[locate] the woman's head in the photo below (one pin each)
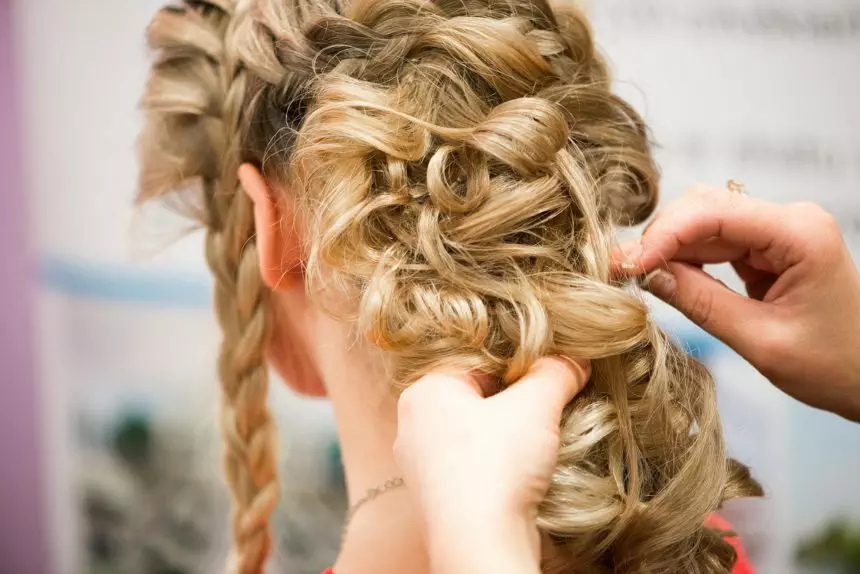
(445, 177)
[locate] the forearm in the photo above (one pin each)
(483, 545)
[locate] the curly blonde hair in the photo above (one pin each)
(461, 165)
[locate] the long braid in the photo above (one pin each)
(194, 102)
(249, 435)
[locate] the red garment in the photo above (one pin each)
(742, 566)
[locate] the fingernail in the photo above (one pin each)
(582, 366)
(632, 252)
(661, 283)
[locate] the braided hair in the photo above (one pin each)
(461, 165)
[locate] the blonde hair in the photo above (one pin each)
(461, 165)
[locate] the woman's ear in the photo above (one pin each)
(279, 243)
(278, 236)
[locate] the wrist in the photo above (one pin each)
(497, 542)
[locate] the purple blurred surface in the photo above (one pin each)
(22, 543)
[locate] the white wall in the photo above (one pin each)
(766, 92)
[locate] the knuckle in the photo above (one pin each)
(677, 220)
(775, 343)
(555, 366)
(690, 205)
(819, 229)
(809, 208)
(424, 390)
(813, 214)
(701, 307)
(830, 228)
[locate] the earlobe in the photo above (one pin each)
(278, 240)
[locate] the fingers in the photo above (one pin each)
(727, 315)
(548, 387)
(731, 224)
(702, 253)
(437, 392)
(442, 384)
(710, 252)
(550, 383)
(757, 282)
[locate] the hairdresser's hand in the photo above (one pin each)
(800, 324)
(478, 467)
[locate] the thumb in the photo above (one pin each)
(727, 315)
(550, 384)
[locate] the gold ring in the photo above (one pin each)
(736, 188)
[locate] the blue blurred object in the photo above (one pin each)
(698, 343)
(120, 283)
(336, 474)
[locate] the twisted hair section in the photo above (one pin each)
(194, 104)
(461, 166)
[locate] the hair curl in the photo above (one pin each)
(461, 165)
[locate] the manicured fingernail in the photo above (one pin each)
(661, 283)
(632, 252)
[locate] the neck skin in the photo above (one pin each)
(386, 535)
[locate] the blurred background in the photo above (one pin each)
(107, 430)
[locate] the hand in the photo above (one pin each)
(479, 466)
(800, 325)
